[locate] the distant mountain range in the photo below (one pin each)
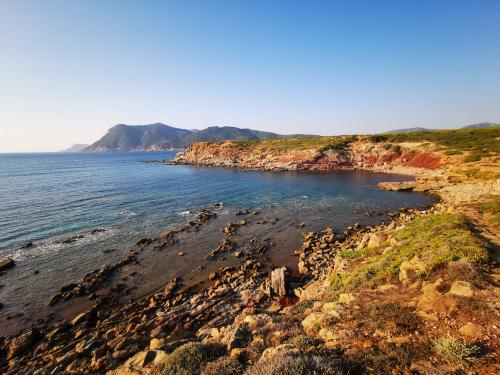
(473, 126)
(77, 147)
(156, 137)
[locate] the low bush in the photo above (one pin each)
(455, 350)
(223, 366)
(189, 359)
(303, 364)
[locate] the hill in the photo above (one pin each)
(481, 125)
(159, 136)
(77, 147)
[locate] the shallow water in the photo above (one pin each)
(46, 198)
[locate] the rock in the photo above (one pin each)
(346, 298)
(315, 321)
(387, 287)
(331, 308)
(145, 358)
(374, 241)
(180, 253)
(156, 344)
(278, 285)
(302, 267)
(461, 289)
(239, 338)
(284, 349)
(6, 263)
(257, 321)
(96, 231)
(409, 269)
(397, 186)
(21, 343)
(471, 330)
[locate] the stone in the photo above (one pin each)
(317, 320)
(145, 358)
(471, 330)
(302, 267)
(180, 253)
(284, 349)
(346, 298)
(331, 308)
(374, 240)
(278, 282)
(408, 269)
(21, 343)
(461, 289)
(239, 338)
(6, 263)
(79, 318)
(387, 287)
(257, 321)
(156, 344)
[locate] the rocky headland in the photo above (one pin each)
(417, 294)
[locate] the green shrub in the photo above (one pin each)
(455, 350)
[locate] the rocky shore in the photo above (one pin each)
(417, 294)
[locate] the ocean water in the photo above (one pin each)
(47, 198)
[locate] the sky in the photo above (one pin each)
(69, 70)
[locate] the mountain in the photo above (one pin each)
(159, 136)
(77, 147)
(481, 125)
(407, 130)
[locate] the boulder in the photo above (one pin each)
(146, 358)
(346, 298)
(284, 349)
(461, 289)
(6, 263)
(257, 321)
(21, 343)
(317, 320)
(471, 330)
(278, 282)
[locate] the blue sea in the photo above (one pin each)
(46, 198)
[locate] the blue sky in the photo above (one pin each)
(69, 70)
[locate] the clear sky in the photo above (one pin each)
(69, 70)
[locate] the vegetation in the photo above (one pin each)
(435, 240)
(319, 144)
(492, 206)
(297, 364)
(479, 142)
(189, 359)
(223, 365)
(455, 350)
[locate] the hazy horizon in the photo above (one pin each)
(71, 70)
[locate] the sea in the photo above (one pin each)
(63, 215)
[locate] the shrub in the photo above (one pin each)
(455, 350)
(303, 364)
(223, 366)
(436, 239)
(189, 359)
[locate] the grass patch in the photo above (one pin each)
(435, 239)
(492, 206)
(455, 350)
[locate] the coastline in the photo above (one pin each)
(238, 295)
